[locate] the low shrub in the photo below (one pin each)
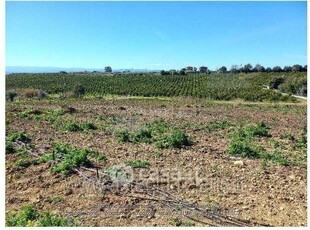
(73, 127)
(274, 157)
(177, 139)
(28, 216)
(88, 126)
(11, 95)
(259, 130)
(160, 133)
(9, 148)
(68, 157)
(243, 149)
(123, 135)
(143, 135)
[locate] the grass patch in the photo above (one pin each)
(47, 115)
(158, 132)
(246, 149)
(179, 223)
(301, 143)
(74, 127)
(177, 139)
(18, 136)
(274, 157)
(258, 130)
(243, 148)
(9, 148)
(288, 136)
(143, 135)
(138, 164)
(123, 135)
(242, 145)
(28, 216)
(24, 161)
(54, 199)
(220, 125)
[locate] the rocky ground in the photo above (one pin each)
(251, 191)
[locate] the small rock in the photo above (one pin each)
(192, 186)
(292, 177)
(238, 163)
(68, 192)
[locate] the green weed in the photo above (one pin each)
(67, 158)
(138, 164)
(243, 148)
(28, 216)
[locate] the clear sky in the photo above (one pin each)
(155, 35)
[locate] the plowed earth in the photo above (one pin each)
(203, 173)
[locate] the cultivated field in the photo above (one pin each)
(249, 87)
(164, 161)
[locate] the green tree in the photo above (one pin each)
(108, 69)
(203, 69)
(247, 68)
(223, 69)
(297, 68)
(234, 69)
(277, 69)
(259, 68)
(287, 69)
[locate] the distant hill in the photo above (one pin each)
(34, 69)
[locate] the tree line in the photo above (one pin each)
(248, 68)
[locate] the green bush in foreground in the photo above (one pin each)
(159, 133)
(143, 135)
(67, 158)
(28, 216)
(243, 149)
(177, 139)
(259, 130)
(242, 146)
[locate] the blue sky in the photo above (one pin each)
(155, 35)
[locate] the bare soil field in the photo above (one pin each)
(204, 181)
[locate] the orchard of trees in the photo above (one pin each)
(248, 68)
